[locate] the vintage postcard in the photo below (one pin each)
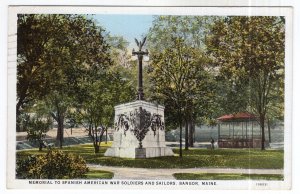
(149, 97)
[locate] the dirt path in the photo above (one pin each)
(166, 174)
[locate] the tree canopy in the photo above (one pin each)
(58, 56)
(249, 52)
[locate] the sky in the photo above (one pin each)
(128, 26)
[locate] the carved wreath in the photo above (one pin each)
(139, 122)
(123, 123)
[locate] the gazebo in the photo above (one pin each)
(240, 130)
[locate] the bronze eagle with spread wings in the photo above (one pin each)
(141, 43)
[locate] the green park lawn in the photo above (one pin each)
(201, 158)
(99, 174)
(226, 176)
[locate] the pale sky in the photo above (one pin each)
(128, 26)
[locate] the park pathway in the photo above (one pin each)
(166, 174)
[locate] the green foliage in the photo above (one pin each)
(23, 120)
(249, 52)
(180, 81)
(244, 49)
(118, 51)
(38, 123)
(101, 93)
(37, 128)
(53, 165)
(226, 176)
(192, 29)
(24, 165)
(57, 56)
(180, 76)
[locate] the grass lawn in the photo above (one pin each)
(220, 158)
(229, 176)
(99, 174)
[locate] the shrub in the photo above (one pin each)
(53, 165)
(24, 165)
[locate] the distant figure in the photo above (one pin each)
(212, 141)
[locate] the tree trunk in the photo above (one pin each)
(262, 125)
(106, 136)
(191, 133)
(96, 147)
(269, 130)
(90, 130)
(96, 139)
(18, 112)
(40, 145)
(18, 106)
(186, 135)
(60, 131)
(20, 102)
(180, 139)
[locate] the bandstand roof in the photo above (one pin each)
(241, 116)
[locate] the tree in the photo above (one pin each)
(37, 123)
(102, 89)
(54, 53)
(31, 46)
(119, 51)
(250, 50)
(190, 31)
(37, 129)
(275, 112)
(179, 80)
(97, 108)
(58, 105)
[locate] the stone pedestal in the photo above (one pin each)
(139, 131)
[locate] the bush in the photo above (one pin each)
(24, 166)
(53, 165)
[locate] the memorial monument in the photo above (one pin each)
(139, 125)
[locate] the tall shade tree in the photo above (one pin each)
(180, 82)
(189, 32)
(54, 53)
(249, 52)
(31, 83)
